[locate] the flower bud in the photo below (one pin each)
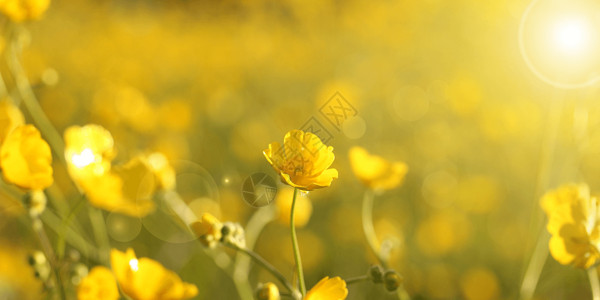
(392, 280)
(267, 291)
(376, 274)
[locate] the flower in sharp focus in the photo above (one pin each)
(303, 209)
(208, 230)
(10, 118)
(26, 160)
(573, 222)
(302, 161)
(328, 289)
(126, 189)
(375, 172)
(24, 10)
(89, 151)
(99, 284)
(147, 279)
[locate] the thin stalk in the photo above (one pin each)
(369, 230)
(30, 101)
(536, 262)
(241, 266)
(593, 277)
(265, 264)
(100, 233)
(295, 246)
(60, 244)
(38, 227)
(356, 279)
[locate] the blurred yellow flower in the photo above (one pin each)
(208, 230)
(376, 172)
(164, 172)
(573, 223)
(147, 279)
(127, 189)
(10, 118)
(302, 161)
(268, 291)
(26, 160)
(89, 151)
(328, 289)
(24, 10)
(99, 284)
(303, 209)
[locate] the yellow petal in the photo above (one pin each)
(208, 229)
(10, 118)
(127, 189)
(26, 159)
(99, 284)
(147, 279)
(89, 151)
(302, 161)
(328, 289)
(374, 171)
(23, 10)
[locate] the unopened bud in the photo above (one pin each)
(376, 274)
(392, 280)
(267, 291)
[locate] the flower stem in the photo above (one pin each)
(241, 266)
(295, 246)
(263, 263)
(357, 279)
(593, 277)
(38, 227)
(367, 222)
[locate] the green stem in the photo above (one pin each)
(99, 228)
(31, 103)
(295, 245)
(369, 230)
(38, 227)
(357, 279)
(593, 277)
(265, 264)
(241, 266)
(60, 245)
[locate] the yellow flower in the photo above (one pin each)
(147, 279)
(302, 161)
(89, 151)
(99, 284)
(573, 223)
(268, 291)
(208, 230)
(164, 172)
(127, 189)
(10, 118)
(24, 10)
(283, 201)
(26, 160)
(328, 289)
(376, 172)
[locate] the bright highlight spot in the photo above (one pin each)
(133, 264)
(83, 159)
(571, 35)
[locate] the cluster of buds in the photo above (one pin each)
(41, 267)
(390, 278)
(35, 202)
(210, 231)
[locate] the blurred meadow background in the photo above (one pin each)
(439, 85)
